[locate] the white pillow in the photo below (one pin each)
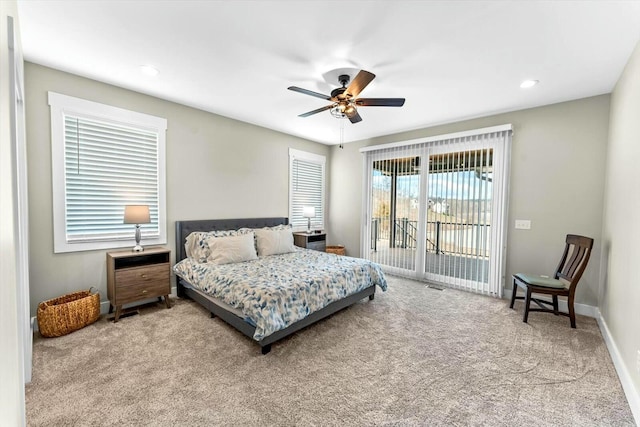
(273, 242)
(229, 249)
(196, 244)
(191, 245)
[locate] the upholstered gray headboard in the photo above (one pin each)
(184, 228)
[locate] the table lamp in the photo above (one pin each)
(308, 212)
(137, 214)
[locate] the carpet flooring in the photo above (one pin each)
(413, 356)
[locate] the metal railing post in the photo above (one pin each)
(437, 237)
(404, 232)
(374, 234)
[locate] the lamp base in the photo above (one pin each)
(137, 247)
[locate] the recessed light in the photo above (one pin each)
(149, 70)
(529, 83)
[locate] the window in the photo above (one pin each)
(104, 158)
(306, 188)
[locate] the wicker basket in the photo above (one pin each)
(68, 313)
(337, 249)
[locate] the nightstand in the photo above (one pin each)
(315, 241)
(136, 276)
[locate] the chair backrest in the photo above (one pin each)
(574, 259)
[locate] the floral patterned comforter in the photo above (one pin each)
(275, 291)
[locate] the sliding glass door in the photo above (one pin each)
(395, 195)
(435, 210)
(459, 200)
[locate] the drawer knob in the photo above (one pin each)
(144, 276)
(144, 291)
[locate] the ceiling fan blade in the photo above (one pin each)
(360, 82)
(380, 102)
(356, 118)
(309, 92)
(319, 110)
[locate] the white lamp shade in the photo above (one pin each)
(136, 214)
(308, 212)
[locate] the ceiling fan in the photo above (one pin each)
(345, 98)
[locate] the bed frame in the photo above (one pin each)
(184, 228)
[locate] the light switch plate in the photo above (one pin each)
(523, 224)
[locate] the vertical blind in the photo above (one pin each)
(306, 189)
(106, 167)
(394, 206)
(458, 221)
(436, 208)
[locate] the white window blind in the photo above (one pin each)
(103, 159)
(307, 176)
(106, 167)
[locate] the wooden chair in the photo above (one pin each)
(565, 279)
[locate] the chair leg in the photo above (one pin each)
(555, 304)
(527, 303)
(514, 291)
(572, 312)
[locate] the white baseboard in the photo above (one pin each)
(633, 395)
(582, 309)
(104, 307)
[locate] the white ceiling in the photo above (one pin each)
(451, 60)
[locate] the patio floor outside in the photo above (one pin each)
(475, 268)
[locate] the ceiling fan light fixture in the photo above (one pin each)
(343, 110)
(338, 111)
(350, 110)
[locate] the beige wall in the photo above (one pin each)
(557, 171)
(620, 300)
(216, 168)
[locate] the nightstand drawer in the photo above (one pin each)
(144, 290)
(140, 276)
(317, 246)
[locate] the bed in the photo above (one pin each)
(194, 281)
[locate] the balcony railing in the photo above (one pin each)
(455, 238)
